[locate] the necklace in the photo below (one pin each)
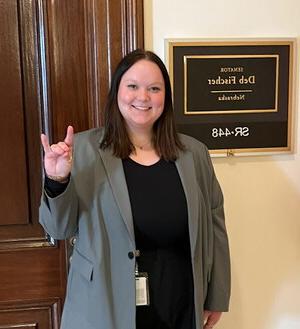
(143, 146)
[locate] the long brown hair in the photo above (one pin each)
(165, 138)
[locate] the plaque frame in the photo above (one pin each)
(260, 120)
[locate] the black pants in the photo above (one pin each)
(148, 318)
(171, 291)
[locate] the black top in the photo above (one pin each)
(160, 218)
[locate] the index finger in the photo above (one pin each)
(70, 136)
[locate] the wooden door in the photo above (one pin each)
(56, 61)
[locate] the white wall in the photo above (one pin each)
(262, 193)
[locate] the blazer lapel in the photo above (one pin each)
(186, 169)
(115, 173)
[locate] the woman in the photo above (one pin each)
(146, 209)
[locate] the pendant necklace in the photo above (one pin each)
(142, 147)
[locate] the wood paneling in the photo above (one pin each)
(15, 207)
(56, 62)
(20, 169)
(29, 274)
(41, 314)
(66, 57)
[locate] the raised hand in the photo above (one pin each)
(58, 157)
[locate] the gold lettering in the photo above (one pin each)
(235, 97)
(235, 69)
(231, 80)
(247, 80)
(252, 79)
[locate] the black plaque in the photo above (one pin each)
(234, 96)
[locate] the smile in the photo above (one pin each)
(141, 108)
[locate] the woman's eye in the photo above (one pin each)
(155, 89)
(132, 86)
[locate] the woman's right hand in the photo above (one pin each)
(58, 157)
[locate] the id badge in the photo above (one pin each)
(142, 289)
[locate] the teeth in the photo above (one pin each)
(142, 108)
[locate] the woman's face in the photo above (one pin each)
(141, 95)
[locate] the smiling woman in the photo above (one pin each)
(141, 99)
(146, 209)
(139, 114)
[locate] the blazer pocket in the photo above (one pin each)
(82, 265)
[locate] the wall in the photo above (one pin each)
(262, 193)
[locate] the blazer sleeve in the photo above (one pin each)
(59, 215)
(219, 285)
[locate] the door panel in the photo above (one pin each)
(41, 315)
(15, 207)
(56, 61)
(20, 165)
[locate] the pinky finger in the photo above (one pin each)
(45, 143)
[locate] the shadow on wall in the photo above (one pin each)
(262, 202)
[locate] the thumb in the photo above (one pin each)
(69, 136)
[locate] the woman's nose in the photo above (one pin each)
(143, 94)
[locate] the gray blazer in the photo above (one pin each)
(95, 208)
